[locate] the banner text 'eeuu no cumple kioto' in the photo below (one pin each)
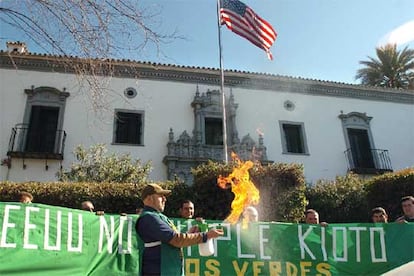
(36, 238)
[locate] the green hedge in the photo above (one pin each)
(283, 194)
(112, 198)
(351, 198)
(387, 190)
(341, 200)
(281, 187)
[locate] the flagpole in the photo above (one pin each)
(223, 98)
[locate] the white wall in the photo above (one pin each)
(167, 104)
(392, 128)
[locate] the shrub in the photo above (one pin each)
(110, 197)
(341, 200)
(95, 165)
(387, 190)
(211, 201)
(180, 191)
(281, 189)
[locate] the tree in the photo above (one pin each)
(86, 28)
(95, 31)
(393, 68)
(94, 165)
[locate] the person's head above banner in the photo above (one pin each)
(152, 189)
(153, 195)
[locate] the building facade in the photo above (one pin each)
(172, 116)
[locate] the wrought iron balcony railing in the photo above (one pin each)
(26, 142)
(370, 161)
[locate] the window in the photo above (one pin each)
(40, 135)
(360, 148)
(293, 138)
(361, 154)
(128, 128)
(42, 129)
(213, 131)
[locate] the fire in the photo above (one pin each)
(245, 192)
(259, 131)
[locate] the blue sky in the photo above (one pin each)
(317, 39)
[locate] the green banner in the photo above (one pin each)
(37, 239)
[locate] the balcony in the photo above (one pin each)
(26, 142)
(370, 161)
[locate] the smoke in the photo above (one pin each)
(400, 35)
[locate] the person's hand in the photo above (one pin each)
(323, 223)
(100, 213)
(401, 220)
(194, 229)
(214, 233)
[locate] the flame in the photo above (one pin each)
(259, 131)
(245, 192)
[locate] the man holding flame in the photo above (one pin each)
(161, 244)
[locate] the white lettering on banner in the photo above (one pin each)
(58, 241)
(340, 237)
(103, 229)
(70, 233)
(239, 253)
(7, 224)
(27, 227)
(383, 257)
(262, 241)
(226, 237)
(302, 244)
(122, 220)
(344, 258)
(323, 243)
(358, 241)
(187, 225)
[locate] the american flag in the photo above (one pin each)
(242, 20)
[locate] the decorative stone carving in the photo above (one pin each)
(355, 119)
(190, 151)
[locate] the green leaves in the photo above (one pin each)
(281, 185)
(96, 165)
(393, 68)
(350, 198)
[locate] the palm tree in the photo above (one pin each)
(393, 68)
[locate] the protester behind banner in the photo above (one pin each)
(187, 211)
(312, 217)
(25, 197)
(379, 215)
(250, 214)
(162, 242)
(407, 205)
(37, 238)
(88, 206)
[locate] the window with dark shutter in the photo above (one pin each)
(293, 137)
(294, 140)
(213, 131)
(128, 128)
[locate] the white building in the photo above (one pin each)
(172, 116)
